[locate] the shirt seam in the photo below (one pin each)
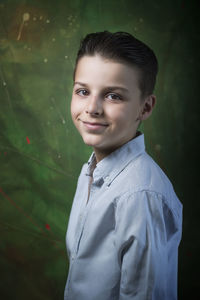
(131, 192)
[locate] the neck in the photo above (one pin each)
(102, 153)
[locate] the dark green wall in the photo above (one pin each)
(41, 153)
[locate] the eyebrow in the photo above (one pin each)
(107, 87)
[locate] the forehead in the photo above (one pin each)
(96, 70)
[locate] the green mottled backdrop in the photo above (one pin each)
(41, 153)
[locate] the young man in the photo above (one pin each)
(126, 220)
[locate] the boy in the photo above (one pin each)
(126, 220)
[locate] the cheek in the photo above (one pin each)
(118, 114)
(75, 108)
(123, 117)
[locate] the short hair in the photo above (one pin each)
(124, 48)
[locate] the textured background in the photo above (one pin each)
(41, 153)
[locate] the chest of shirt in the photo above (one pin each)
(94, 218)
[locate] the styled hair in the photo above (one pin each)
(124, 48)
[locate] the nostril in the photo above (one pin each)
(94, 109)
(92, 113)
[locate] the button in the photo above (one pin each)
(107, 179)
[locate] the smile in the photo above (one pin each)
(94, 126)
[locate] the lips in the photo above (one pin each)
(89, 123)
(95, 127)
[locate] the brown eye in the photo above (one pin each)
(82, 90)
(115, 97)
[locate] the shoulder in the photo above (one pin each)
(144, 179)
(145, 173)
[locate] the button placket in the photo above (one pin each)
(82, 220)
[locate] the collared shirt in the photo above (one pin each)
(123, 242)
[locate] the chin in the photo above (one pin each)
(93, 142)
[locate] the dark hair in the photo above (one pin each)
(122, 47)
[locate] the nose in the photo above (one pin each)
(94, 106)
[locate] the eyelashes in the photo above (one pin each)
(116, 96)
(78, 91)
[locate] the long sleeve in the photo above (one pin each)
(123, 242)
(147, 238)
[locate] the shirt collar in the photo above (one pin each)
(110, 166)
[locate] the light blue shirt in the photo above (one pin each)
(123, 243)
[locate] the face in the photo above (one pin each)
(106, 106)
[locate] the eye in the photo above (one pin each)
(115, 96)
(83, 92)
(79, 91)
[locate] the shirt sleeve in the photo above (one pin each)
(145, 227)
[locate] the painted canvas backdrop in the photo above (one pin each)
(41, 153)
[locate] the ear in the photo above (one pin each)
(147, 107)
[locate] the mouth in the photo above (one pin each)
(90, 123)
(94, 126)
